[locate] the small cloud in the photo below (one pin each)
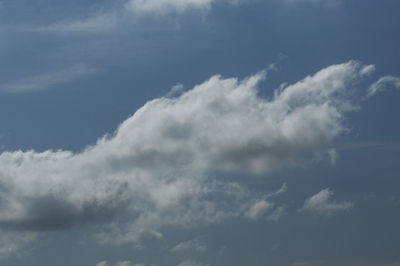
(175, 90)
(328, 3)
(309, 263)
(277, 214)
(333, 155)
(282, 190)
(13, 243)
(166, 6)
(195, 245)
(96, 23)
(120, 263)
(258, 209)
(382, 84)
(47, 80)
(322, 202)
(192, 263)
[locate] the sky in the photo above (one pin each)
(199, 132)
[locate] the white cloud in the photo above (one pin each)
(160, 165)
(48, 80)
(382, 84)
(322, 202)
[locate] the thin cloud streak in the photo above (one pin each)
(48, 80)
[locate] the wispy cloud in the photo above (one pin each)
(106, 21)
(192, 263)
(382, 84)
(11, 243)
(327, 3)
(196, 245)
(166, 6)
(120, 263)
(48, 80)
(103, 22)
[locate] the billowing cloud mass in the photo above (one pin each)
(322, 202)
(163, 166)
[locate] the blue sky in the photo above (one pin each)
(199, 132)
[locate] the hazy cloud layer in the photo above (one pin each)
(162, 165)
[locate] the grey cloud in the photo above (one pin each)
(160, 167)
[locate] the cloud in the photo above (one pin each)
(322, 202)
(11, 243)
(106, 21)
(166, 6)
(120, 263)
(333, 156)
(310, 263)
(161, 167)
(382, 84)
(103, 22)
(328, 3)
(48, 80)
(192, 263)
(195, 245)
(258, 209)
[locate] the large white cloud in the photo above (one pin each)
(162, 165)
